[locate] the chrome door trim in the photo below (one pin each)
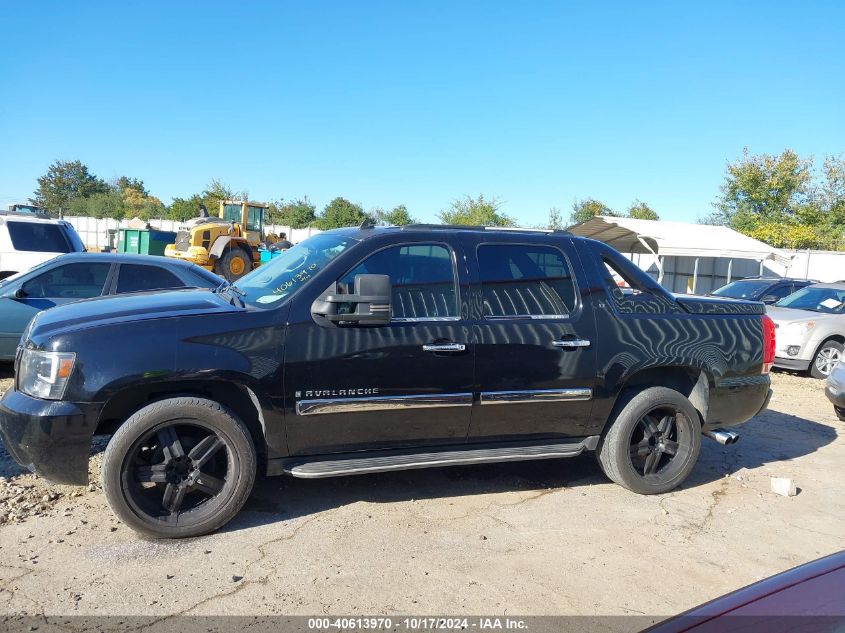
(424, 319)
(535, 395)
(382, 403)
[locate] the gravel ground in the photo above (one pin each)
(550, 537)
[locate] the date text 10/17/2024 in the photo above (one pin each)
(421, 623)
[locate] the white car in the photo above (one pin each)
(810, 329)
(27, 240)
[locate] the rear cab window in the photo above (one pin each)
(525, 280)
(631, 290)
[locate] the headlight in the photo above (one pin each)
(795, 330)
(45, 374)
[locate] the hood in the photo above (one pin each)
(785, 316)
(130, 308)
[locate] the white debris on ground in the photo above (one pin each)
(784, 486)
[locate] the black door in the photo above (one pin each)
(535, 350)
(408, 383)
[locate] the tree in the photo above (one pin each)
(555, 222)
(64, 182)
(588, 208)
(763, 188)
(124, 183)
(399, 216)
(296, 214)
(340, 212)
(186, 208)
(782, 201)
(641, 211)
(479, 211)
(107, 204)
(832, 194)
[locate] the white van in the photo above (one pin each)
(27, 240)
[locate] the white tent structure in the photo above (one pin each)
(664, 240)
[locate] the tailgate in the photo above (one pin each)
(713, 305)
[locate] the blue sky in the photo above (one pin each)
(535, 103)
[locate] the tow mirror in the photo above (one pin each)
(769, 299)
(368, 305)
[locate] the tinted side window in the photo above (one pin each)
(519, 280)
(422, 277)
(135, 278)
(779, 291)
(42, 238)
(72, 281)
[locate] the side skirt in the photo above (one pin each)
(385, 461)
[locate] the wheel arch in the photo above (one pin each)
(224, 242)
(240, 398)
(692, 382)
(832, 337)
(838, 338)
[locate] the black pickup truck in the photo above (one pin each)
(373, 349)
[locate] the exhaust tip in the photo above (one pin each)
(722, 436)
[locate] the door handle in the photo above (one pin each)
(570, 343)
(444, 347)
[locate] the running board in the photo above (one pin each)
(385, 463)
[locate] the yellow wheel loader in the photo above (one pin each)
(226, 245)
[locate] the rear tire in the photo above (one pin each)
(826, 358)
(234, 264)
(653, 443)
(179, 467)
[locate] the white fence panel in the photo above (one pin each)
(94, 231)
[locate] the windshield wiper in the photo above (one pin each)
(237, 293)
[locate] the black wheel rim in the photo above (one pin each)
(660, 443)
(178, 473)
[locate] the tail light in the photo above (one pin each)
(768, 343)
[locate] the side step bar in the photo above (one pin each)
(408, 461)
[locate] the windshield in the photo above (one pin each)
(815, 298)
(742, 289)
(288, 272)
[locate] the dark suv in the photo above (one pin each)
(374, 349)
(769, 290)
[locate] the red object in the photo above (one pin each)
(769, 338)
(806, 599)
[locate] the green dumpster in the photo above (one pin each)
(144, 241)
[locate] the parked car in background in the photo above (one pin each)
(810, 329)
(27, 239)
(766, 289)
(76, 276)
(835, 390)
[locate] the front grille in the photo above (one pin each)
(183, 240)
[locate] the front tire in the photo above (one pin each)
(826, 358)
(653, 443)
(234, 264)
(179, 467)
